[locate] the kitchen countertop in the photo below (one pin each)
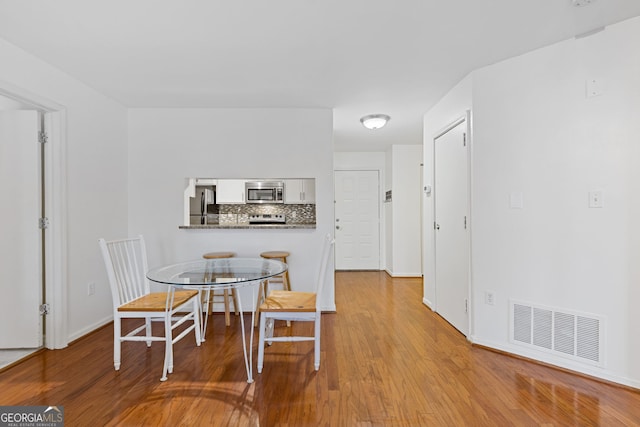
(247, 226)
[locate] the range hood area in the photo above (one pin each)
(249, 203)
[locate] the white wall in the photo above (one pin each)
(406, 211)
(166, 146)
(373, 160)
(96, 198)
(536, 132)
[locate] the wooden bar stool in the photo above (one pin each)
(226, 293)
(282, 279)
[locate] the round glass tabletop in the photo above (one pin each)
(223, 272)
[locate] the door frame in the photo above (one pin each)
(55, 247)
(466, 118)
(382, 264)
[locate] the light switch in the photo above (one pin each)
(596, 199)
(516, 200)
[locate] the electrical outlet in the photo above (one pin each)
(91, 288)
(489, 298)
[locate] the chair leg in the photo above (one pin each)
(269, 327)
(234, 297)
(168, 348)
(261, 335)
(316, 362)
(262, 295)
(148, 323)
(196, 322)
(117, 333)
(205, 311)
(286, 285)
(227, 317)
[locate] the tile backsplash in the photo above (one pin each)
(295, 214)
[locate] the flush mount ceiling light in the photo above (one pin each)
(374, 121)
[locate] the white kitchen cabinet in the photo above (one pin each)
(206, 181)
(309, 190)
(230, 191)
(300, 191)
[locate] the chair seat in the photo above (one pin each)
(289, 301)
(157, 301)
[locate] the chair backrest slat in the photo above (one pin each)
(132, 249)
(126, 263)
(326, 251)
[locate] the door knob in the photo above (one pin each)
(437, 226)
(337, 227)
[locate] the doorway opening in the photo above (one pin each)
(35, 196)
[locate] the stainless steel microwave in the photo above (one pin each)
(264, 191)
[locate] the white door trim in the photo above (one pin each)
(55, 206)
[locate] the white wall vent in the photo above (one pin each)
(578, 336)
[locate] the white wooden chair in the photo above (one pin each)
(294, 306)
(126, 264)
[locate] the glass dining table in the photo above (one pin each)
(220, 274)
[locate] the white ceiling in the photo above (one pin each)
(358, 57)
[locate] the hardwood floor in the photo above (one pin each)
(387, 360)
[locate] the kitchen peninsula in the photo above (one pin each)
(249, 204)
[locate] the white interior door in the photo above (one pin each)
(20, 245)
(357, 214)
(451, 234)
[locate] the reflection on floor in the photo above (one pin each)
(7, 357)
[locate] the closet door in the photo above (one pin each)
(452, 226)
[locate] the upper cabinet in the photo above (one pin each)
(300, 191)
(230, 191)
(206, 181)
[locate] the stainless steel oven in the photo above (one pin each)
(264, 191)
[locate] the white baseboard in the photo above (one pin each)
(84, 331)
(560, 362)
(392, 274)
(428, 303)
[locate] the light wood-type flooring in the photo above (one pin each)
(387, 360)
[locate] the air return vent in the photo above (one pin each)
(578, 336)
